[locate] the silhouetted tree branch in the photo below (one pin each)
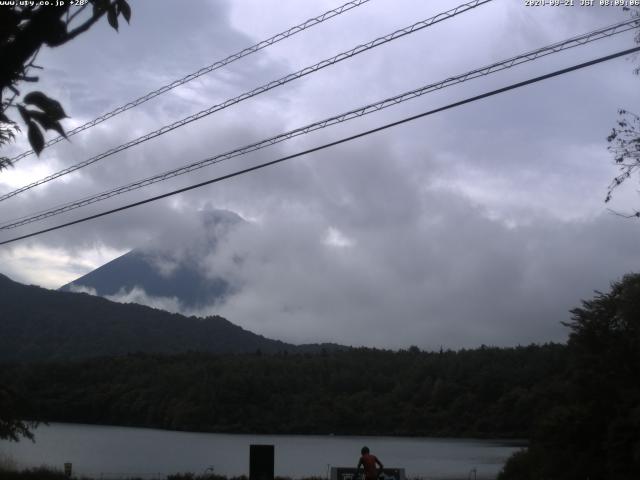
(624, 141)
(12, 427)
(23, 32)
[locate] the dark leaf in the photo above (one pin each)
(54, 32)
(4, 118)
(36, 139)
(125, 9)
(48, 105)
(112, 16)
(5, 163)
(9, 21)
(47, 123)
(99, 6)
(24, 113)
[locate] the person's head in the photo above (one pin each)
(364, 450)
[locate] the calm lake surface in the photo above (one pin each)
(113, 452)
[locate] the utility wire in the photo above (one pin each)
(332, 144)
(257, 91)
(358, 112)
(214, 66)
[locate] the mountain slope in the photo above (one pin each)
(167, 270)
(135, 269)
(42, 325)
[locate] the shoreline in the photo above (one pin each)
(514, 441)
(94, 450)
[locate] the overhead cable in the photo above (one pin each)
(257, 91)
(203, 71)
(331, 144)
(343, 117)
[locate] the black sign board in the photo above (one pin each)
(261, 462)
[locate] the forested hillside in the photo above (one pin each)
(44, 325)
(487, 392)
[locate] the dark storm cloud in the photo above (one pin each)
(484, 224)
(431, 269)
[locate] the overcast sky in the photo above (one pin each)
(484, 224)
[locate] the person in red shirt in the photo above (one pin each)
(369, 462)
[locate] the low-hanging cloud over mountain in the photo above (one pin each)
(483, 224)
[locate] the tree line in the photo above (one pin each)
(485, 392)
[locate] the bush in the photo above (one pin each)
(520, 466)
(40, 473)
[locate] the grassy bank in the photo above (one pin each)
(47, 473)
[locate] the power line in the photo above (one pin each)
(332, 144)
(358, 112)
(257, 91)
(214, 66)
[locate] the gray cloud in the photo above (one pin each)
(441, 273)
(138, 295)
(484, 224)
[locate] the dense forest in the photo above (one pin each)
(486, 392)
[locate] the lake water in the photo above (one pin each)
(117, 452)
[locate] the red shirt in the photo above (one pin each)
(368, 461)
